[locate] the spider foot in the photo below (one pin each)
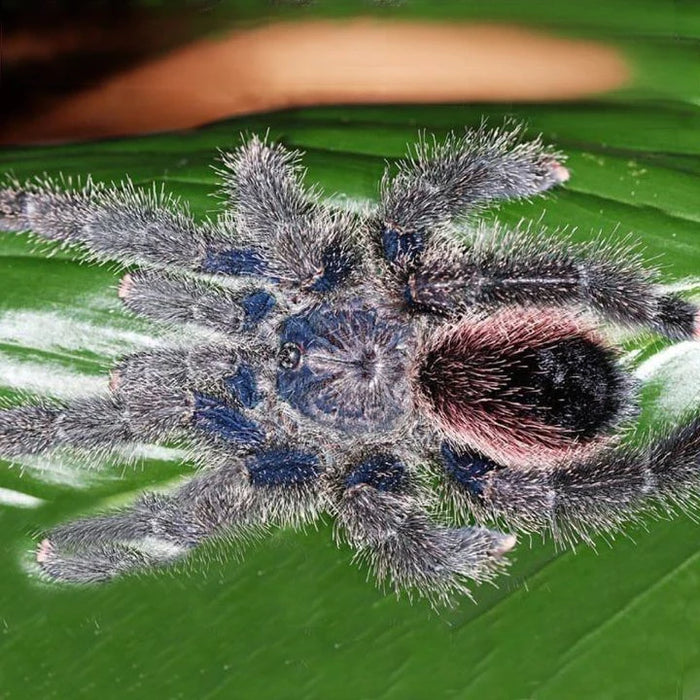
(90, 564)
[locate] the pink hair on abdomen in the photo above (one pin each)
(466, 382)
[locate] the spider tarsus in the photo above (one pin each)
(115, 379)
(125, 286)
(507, 542)
(560, 173)
(44, 550)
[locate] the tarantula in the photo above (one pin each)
(376, 366)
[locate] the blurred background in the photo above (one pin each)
(75, 69)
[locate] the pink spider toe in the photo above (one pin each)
(43, 551)
(125, 286)
(114, 380)
(505, 545)
(560, 173)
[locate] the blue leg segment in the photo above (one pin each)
(381, 471)
(257, 305)
(243, 386)
(217, 418)
(235, 261)
(336, 264)
(283, 467)
(402, 249)
(466, 468)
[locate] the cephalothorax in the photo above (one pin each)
(375, 366)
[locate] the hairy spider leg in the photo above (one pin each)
(264, 184)
(155, 395)
(273, 487)
(127, 224)
(516, 267)
(280, 486)
(441, 181)
(278, 231)
(380, 515)
(94, 564)
(174, 299)
(576, 499)
(290, 237)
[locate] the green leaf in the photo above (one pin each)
(294, 617)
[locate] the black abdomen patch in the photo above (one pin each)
(572, 384)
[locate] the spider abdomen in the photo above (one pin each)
(523, 386)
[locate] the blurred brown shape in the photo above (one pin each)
(51, 49)
(325, 62)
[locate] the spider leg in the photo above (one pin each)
(289, 236)
(592, 494)
(379, 514)
(517, 267)
(441, 181)
(91, 422)
(201, 392)
(99, 563)
(113, 223)
(97, 422)
(264, 183)
(176, 299)
(278, 231)
(276, 486)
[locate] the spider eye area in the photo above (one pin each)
(289, 355)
